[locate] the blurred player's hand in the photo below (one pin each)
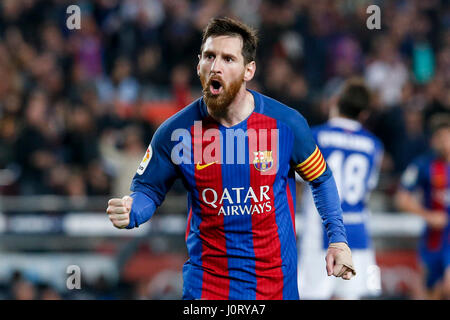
(339, 261)
(119, 211)
(436, 219)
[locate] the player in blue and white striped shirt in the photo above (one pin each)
(353, 155)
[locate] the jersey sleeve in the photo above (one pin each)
(312, 167)
(156, 172)
(306, 155)
(413, 176)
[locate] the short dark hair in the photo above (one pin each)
(439, 121)
(354, 98)
(230, 27)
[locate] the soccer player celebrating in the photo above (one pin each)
(236, 152)
(354, 156)
(430, 174)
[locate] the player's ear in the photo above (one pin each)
(250, 69)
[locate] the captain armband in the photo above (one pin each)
(312, 167)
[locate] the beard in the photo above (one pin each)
(218, 102)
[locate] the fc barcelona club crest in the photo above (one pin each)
(263, 160)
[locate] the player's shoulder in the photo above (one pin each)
(418, 167)
(321, 128)
(183, 119)
(378, 143)
(281, 112)
(417, 170)
(423, 160)
(355, 128)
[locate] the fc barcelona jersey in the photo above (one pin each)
(431, 175)
(240, 181)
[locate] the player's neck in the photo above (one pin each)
(238, 110)
(337, 115)
(344, 118)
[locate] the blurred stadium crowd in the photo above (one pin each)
(79, 107)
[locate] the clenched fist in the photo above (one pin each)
(119, 211)
(339, 261)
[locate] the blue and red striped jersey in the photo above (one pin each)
(431, 175)
(240, 181)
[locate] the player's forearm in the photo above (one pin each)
(408, 203)
(142, 209)
(328, 204)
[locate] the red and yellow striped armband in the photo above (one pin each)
(313, 167)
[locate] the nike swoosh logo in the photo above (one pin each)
(200, 167)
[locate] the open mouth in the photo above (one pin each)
(215, 87)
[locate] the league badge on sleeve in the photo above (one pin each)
(409, 177)
(145, 160)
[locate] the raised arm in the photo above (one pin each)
(153, 179)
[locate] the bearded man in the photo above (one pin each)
(236, 152)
